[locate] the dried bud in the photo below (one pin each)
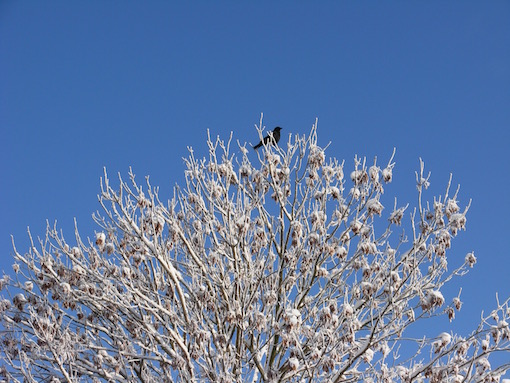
(457, 303)
(347, 310)
(19, 301)
(387, 174)
(100, 240)
(368, 355)
(374, 207)
(293, 363)
(470, 259)
(29, 285)
(373, 171)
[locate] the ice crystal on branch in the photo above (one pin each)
(263, 267)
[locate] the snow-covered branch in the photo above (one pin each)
(273, 267)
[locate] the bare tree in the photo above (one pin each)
(281, 270)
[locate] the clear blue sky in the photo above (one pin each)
(87, 84)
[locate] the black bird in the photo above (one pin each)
(266, 139)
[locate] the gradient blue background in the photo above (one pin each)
(87, 84)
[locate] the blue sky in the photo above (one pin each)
(90, 84)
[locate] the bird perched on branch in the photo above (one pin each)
(275, 135)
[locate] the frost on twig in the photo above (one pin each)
(270, 267)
